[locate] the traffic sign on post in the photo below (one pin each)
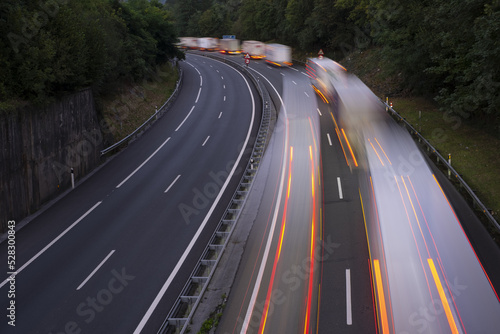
(247, 56)
(320, 54)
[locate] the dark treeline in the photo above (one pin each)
(448, 49)
(52, 47)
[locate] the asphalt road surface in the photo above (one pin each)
(112, 255)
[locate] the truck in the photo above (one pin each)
(230, 46)
(255, 49)
(208, 43)
(279, 55)
(188, 42)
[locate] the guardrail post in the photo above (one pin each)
(449, 162)
(72, 178)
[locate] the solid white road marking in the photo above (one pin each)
(319, 112)
(222, 77)
(205, 141)
(201, 81)
(174, 272)
(224, 97)
(348, 296)
(329, 139)
(306, 94)
(296, 70)
(294, 82)
(282, 73)
(96, 269)
(173, 182)
(185, 119)
(340, 188)
(199, 92)
(145, 161)
(224, 86)
(53, 242)
(220, 114)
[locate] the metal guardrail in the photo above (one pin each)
(158, 113)
(181, 313)
(476, 202)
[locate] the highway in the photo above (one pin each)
(413, 270)
(299, 219)
(354, 233)
(112, 255)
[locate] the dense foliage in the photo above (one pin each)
(51, 47)
(448, 49)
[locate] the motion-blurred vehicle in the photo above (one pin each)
(190, 43)
(279, 55)
(324, 74)
(208, 43)
(255, 49)
(230, 46)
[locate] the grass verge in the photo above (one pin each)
(130, 105)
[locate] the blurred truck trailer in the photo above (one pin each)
(255, 49)
(279, 55)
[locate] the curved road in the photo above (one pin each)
(112, 255)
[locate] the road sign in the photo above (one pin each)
(320, 54)
(247, 60)
(247, 56)
(228, 37)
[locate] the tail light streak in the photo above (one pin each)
(350, 149)
(278, 250)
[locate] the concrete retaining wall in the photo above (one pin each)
(38, 148)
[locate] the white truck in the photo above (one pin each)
(255, 49)
(208, 43)
(188, 42)
(279, 55)
(230, 46)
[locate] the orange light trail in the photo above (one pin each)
(342, 145)
(311, 272)
(390, 163)
(313, 134)
(381, 297)
(376, 152)
(383, 253)
(413, 233)
(350, 149)
(323, 97)
(451, 208)
(370, 258)
(435, 247)
(444, 300)
(278, 251)
(334, 121)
